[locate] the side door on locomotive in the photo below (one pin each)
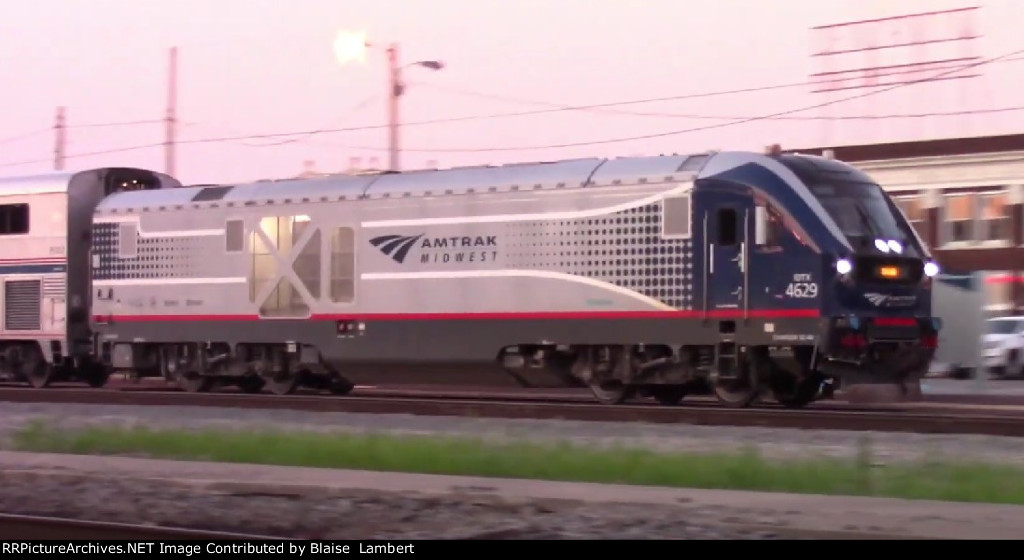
(726, 211)
(761, 283)
(758, 261)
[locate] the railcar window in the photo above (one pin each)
(307, 265)
(264, 266)
(282, 232)
(726, 226)
(343, 265)
(13, 219)
(234, 236)
(675, 219)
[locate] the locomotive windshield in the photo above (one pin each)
(864, 213)
(856, 203)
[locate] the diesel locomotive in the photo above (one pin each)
(750, 274)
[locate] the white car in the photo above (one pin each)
(1003, 346)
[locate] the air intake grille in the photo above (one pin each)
(54, 287)
(22, 305)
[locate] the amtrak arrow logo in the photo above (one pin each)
(876, 298)
(395, 246)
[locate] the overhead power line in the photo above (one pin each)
(738, 121)
(37, 132)
(110, 124)
(305, 135)
(609, 108)
(712, 117)
(744, 120)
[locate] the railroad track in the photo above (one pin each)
(887, 419)
(15, 528)
(310, 400)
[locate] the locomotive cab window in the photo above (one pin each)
(768, 227)
(13, 219)
(727, 223)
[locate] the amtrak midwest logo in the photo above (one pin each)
(440, 250)
(886, 300)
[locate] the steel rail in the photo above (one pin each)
(15, 527)
(915, 421)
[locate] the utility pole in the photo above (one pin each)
(60, 139)
(395, 88)
(172, 109)
(344, 50)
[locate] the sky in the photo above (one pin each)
(250, 68)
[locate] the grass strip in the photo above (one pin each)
(747, 470)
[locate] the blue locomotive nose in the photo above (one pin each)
(880, 328)
(883, 285)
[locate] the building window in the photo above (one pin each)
(913, 208)
(13, 219)
(994, 218)
(958, 217)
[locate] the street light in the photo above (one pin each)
(349, 47)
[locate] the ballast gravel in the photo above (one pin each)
(355, 514)
(783, 443)
(367, 514)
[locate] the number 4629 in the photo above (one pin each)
(802, 290)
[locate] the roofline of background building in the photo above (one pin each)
(924, 148)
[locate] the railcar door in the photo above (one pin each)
(727, 246)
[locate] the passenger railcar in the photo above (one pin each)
(749, 272)
(45, 223)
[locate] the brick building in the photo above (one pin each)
(965, 196)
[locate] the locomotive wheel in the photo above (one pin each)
(740, 391)
(282, 383)
(37, 372)
(612, 392)
(96, 377)
(251, 384)
(193, 382)
(669, 395)
(791, 393)
(340, 386)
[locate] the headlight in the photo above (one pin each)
(930, 269)
(843, 266)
